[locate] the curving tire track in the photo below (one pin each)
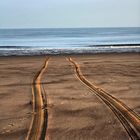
(129, 119)
(38, 126)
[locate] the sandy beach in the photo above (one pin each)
(16, 74)
(64, 107)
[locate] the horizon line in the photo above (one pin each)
(66, 27)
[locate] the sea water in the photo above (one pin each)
(68, 40)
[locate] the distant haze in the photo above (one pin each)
(69, 13)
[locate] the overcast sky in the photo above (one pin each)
(69, 13)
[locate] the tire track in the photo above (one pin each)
(38, 126)
(129, 119)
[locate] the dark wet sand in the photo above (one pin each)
(74, 111)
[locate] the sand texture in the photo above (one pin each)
(77, 97)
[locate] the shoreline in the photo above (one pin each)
(72, 54)
(91, 49)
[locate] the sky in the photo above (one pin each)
(69, 13)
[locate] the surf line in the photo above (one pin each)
(38, 125)
(129, 119)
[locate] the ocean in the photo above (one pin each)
(68, 40)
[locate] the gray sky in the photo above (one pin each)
(69, 13)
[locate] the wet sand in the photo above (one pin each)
(74, 112)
